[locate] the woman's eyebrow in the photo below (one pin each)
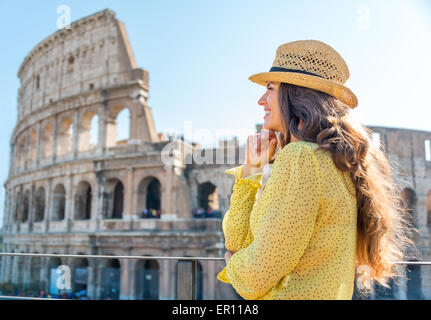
(269, 83)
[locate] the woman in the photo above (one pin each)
(329, 205)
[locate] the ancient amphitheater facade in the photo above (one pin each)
(75, 187)
(410, 155)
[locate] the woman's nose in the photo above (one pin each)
(262, 101)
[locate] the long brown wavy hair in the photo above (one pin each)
(383, 228)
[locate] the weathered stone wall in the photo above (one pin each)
(66, 81)
(406, 151)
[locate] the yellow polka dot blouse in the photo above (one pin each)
(298, 241)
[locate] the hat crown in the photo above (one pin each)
(312, 56)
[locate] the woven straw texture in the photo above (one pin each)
(314, 57)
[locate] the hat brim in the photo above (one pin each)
(330, 87)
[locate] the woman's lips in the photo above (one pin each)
(266, 115)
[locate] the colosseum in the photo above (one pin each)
(76, 187)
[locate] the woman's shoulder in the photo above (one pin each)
(298, 147)
(304, 153)
(298, 153)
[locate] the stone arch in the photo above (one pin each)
(118, 128)
(208, 200)
(113, 199)
(83, 201)
(58, 203)
(25, 206)
(65, 137)
(32, 150)
(39, 205)
(47, 138)
(88, 131)
(147, 280)
(149, 198)
(110, 280)
(408, 202)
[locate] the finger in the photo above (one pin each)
(269, 150)
(273, 146)
(259, 144)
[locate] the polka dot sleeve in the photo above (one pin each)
(235, 222)
(284, 221)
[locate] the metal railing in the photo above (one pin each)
(187, 268)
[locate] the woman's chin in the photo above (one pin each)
(267, 126)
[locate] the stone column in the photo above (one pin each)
(172, 284)
(75, 138)
(9, 267)
(167, 192)
(31, 208)
(3, 264)
(421, 215)
(44, 273)
(426, 281)
(26, 272)
(38, 143)
(103, 120)
(100, 189)
(21, 206)
(132, 278)
(12, 161)
(209, 287)
(26, 148)
(54, 140)
(12, 203)
(164, 286)
(48, 200)
(91, 284)
(98, 278)
(129, 210)
(15, 263)
(6, 217)
(11, 213)
(124, 279)
(69, 202)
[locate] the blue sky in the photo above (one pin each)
(201, 53)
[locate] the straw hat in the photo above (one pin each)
(312, 64)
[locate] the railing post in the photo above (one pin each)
(186, 279)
